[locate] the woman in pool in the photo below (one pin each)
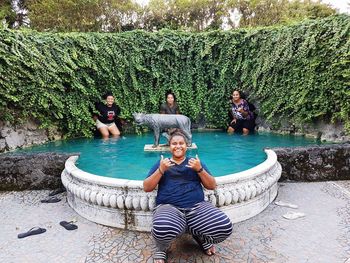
(170, 106)
(241, 117)
(180, 201)
(108, 114)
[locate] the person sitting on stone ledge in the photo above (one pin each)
(180, 205)
(242, 118)
(170, 106)
(108, 117)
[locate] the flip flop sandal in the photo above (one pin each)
(286, 204)
(68, 225)
(293, 215)
(52, 199)
(57, 191)
(31, 232)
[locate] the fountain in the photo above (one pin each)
(122, 203)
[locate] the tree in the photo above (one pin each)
(81, 15)
(199, 15)
(7, 14)
(191, 15)
(194, 15)
(271, 12)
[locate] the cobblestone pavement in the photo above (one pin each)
(323, 235)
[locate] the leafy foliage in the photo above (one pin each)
(298, 73)
(82, 15)
(6, 12)
(126, 15)
(271, 12)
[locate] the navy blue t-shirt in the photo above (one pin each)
(179, 186)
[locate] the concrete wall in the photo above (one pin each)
(31, 171)
(316, 163)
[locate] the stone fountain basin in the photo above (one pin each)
(123, 204)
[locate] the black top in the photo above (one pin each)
(107, 114)
(165, 109)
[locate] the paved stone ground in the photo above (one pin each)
(323, 235)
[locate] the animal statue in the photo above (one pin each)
(160, 122)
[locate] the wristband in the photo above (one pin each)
(160, 171)
(200, 170)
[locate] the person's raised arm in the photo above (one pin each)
(151, 182)
(243, 112)
(245, 109)
(208, 180)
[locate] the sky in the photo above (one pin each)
(341, 5)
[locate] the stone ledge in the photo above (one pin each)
(31, 171)
(316, 163)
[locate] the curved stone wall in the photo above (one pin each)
(123, 203)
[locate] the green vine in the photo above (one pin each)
(298, 73)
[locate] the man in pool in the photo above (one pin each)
(180, 201)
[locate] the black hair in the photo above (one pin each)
(241, 94)
(169, 92)
(107, 94)
(177, 132)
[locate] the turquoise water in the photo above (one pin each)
(125, 158)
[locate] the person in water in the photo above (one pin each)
(108, 115)
(241, 117)
(170, 106)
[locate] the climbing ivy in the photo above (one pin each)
(298, 73)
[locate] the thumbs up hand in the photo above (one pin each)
(164, 164)
(195, 164)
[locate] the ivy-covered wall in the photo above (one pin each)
(300, 73)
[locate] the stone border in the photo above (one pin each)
(31, 171)
(123, 203)
(327, 162)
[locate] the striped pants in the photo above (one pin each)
(207, 224)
